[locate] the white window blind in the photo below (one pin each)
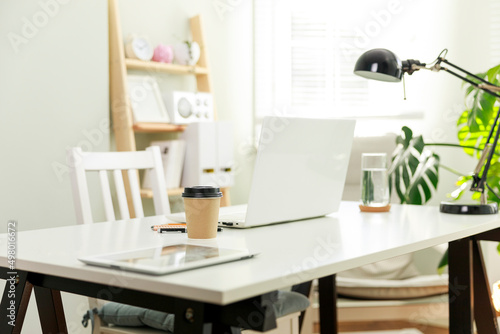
(495, 32)
(305, 53)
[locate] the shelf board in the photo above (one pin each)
(135, 64)
(158, 127)
(148, 193)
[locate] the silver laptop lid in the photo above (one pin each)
(300, 169)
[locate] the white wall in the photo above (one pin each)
(54, 95)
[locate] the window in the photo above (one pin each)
(495, 32)
(305, 53)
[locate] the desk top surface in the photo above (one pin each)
(291, 252)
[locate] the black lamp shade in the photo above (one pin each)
(379, 64)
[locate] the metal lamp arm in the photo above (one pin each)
(478, 183)
(466, 72)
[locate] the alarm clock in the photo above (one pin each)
(189, 107)
(138, 47)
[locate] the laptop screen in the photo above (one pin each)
(300, 169)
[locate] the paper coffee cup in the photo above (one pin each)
(201, 204)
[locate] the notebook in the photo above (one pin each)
(167, 259)
(299, 172)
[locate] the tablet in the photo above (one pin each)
(167, 259)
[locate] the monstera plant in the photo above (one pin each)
(414, 172)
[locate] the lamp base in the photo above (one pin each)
(469, 209)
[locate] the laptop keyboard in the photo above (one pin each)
(229, 219)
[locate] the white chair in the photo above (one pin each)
(129, 162)
(116, 162)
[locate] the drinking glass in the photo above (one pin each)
(374, 180)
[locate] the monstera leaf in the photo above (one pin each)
(414, 171)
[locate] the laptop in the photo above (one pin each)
(167, 259)
(299, 172)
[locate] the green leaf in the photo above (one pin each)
(493, 75)
(424, 179)
(443, 263)
(414, 172)
(498, 248)
(469, 90)
(468, 137)
(493, 179)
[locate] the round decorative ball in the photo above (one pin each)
(187, 53)
(163, 54)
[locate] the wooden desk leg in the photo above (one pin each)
(50, 310)
(484, 313)
(460, 286)
(15, 299)
(327, 305)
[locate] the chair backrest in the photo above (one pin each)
(103, 162)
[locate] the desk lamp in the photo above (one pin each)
(384, 65)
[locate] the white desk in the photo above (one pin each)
(292, 253)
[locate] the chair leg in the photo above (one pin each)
(306, 319)
(94, 304)
(305, 289)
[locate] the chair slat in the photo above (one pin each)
(135, 191)
(117, 160)
(160, 198)
(120, 194)
(106, 195)
(80, 189)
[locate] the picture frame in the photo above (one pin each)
(145, 98)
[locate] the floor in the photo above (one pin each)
(369, 326)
